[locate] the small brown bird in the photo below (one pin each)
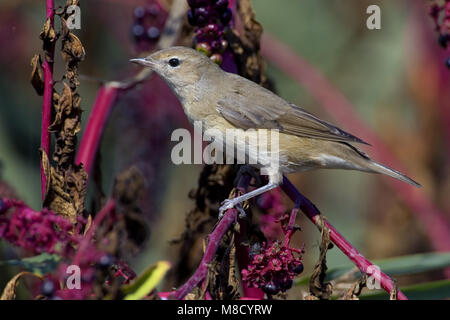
(224, 101)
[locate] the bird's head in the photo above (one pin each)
(178, 66)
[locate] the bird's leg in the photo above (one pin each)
(230, 203)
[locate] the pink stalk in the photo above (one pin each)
(311, 211)
(435, 222)
(107, 209)
(97, 119)
(48, 97)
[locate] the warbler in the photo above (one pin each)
(223, 101)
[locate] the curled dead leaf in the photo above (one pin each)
(72, 49)
(46, 168)
(37, 74)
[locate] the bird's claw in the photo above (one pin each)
(229, 204)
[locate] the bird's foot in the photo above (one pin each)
(229, 204)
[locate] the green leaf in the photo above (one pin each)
(40, 264)
(423, 291)
(146, 282)
(411, 264)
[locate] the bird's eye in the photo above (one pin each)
(174, 62)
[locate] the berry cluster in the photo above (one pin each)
(272, 267)
(148, 23)
(211, 18)
(441, 17)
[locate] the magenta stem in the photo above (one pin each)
(96, 123)
(311, 211)
(47, 103)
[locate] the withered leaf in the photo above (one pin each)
(9, 292)
(72, 50)
(317, 284)
(37, 75)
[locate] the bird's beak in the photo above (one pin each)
(144, 62)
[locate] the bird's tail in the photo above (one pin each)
(380, 168)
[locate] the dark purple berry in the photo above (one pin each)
(270, 288)
(139, 12)
(221, 4)
(298, 269)
(48, 288)
(2, 205)
(226, 16)
(204, 48)
(191, 17)
(153, 33)
(105, 261)
(447, 63)
(137, 31)
(286, 285)
(153, 9)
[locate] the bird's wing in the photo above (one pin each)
(264, 110)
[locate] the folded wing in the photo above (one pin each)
(265, 110)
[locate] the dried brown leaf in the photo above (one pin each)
(317, 286)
